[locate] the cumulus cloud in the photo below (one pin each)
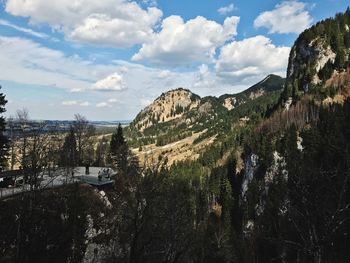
(117, 23)
(181, 43)
(226, 9)
(204, 78)
(113, 82)
(164, 74)
(287, 17)
(251, 59)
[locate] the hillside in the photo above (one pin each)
(319, 59)
(281, 173)
(168, 106)
(269, 84)
(179, 124)
(293, 187)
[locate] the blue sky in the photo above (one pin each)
(108, 59)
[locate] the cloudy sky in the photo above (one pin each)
(107, 59)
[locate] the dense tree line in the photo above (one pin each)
(304, 217)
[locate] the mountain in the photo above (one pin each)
(181, 124)
(168, 106)
(183, 106)
(269, 84)
(293, 173)
(319, 59)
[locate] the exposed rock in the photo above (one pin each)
(169, 106)
(251, 164)
(288, 103)
(229, 103)
(258, 93)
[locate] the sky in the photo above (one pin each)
(108, 59)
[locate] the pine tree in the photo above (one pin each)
(117, 141)
(3, 139)
(69, 153)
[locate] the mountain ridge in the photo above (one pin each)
(182, 119)
(174, 103)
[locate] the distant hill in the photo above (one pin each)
(179, 115)
(269, 84)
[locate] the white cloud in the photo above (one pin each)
(31, 63)
(77, 90)
(251, 59)
(205, 78)
(145, 102)
(112, 100)
(180, 43)
(75, 102)
(84, 103)
(226, 9)
(102, 105)
(117, 23)
(23, 29)
(287, 17)
(164, 74)
(69, 102)
(113, 82)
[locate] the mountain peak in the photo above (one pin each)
(270, 83)
(168, 106)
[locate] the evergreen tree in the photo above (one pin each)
(3, 138)
(119, 152)
(117, 141)
(69, 153)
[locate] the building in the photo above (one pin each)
(96, 176)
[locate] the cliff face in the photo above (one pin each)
(307, 59)
(320, 53)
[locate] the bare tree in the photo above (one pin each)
(22, 118)
(12, 136)
(83, 132)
